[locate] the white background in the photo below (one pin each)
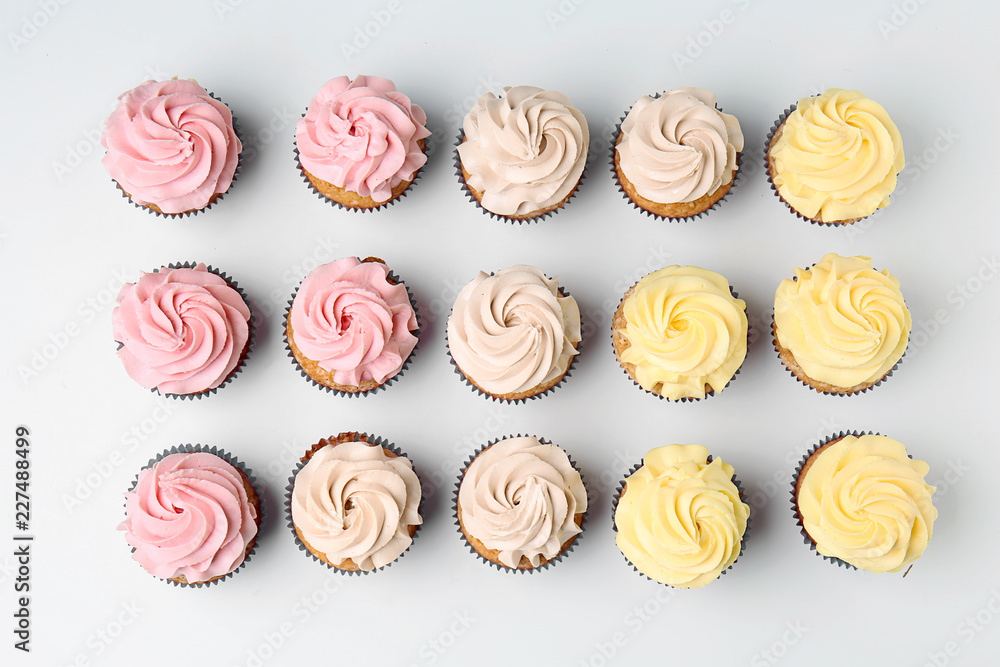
(67, 239)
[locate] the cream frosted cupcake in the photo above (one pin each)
(521, 156)
(520, 503)
(171, 147)
(834, 158)
(680, 518)
(513, 335)
(680, 333)
(862, 501)
(354, 502)
(676, 155)
(840, 327)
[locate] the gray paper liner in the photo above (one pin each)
(252, 325)
(239, 162)
(504, 218)
(351, 394)
(686, 399)
(236, 463)
(500, 567)
(298, 163)
(372, 440)
(687, 218)
(614, 526)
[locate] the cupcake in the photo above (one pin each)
(676, 155)
(522, 155)
(351, 326)
(192, 516)
(840, 327)
(183, 330)
(172, 147)
(680, 517)
(834, 158)
(862, 501)
(520, 503)
(354, 502)
(680, 333)
(361, 142)
(513, 335)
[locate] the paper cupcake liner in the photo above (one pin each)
(688, 218)
(352, 394)
(504, 218)
(372, 440)
(475, 389)
(686, 399)
(614, 508)
(337, 204)
(500, 567)
(236, 463)
(215, 200)
(252, 325)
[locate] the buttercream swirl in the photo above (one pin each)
(182, 331)
(353, 322)
(524, 152)
(353, 501)
(362, 135)
(171, 145)
(864, 501)
(513, 331)
(189, 516)
(679, 147)
(684, 330)
(521, 497)
(837, 156)
(844, 322)
(680, 519)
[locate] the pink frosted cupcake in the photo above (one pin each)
(361, 142)
(172, 147)
(351, 326)
(183, 330)
(192, 516)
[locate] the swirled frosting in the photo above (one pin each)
(864, 501)
(525, 151)
(520, 498)
(182, 331)
(513, 331)
(680, 519)
(837, 156)
(353, 501)
(362, 135)
(189, 516)
(679, 147)
(844, 322)
(172, 145)
(684, 330)
(350, 319)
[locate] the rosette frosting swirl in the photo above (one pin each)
(182, 331)
(362, 135)
(521, 498)
(513, 331)
(864, 501)
(172, 145)
(844, 322)
(684, 330)
(837, 156)
(680, 519)
(353, 501)
(189, 516)
(679, 147)
(524, 151)
(353, 321)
